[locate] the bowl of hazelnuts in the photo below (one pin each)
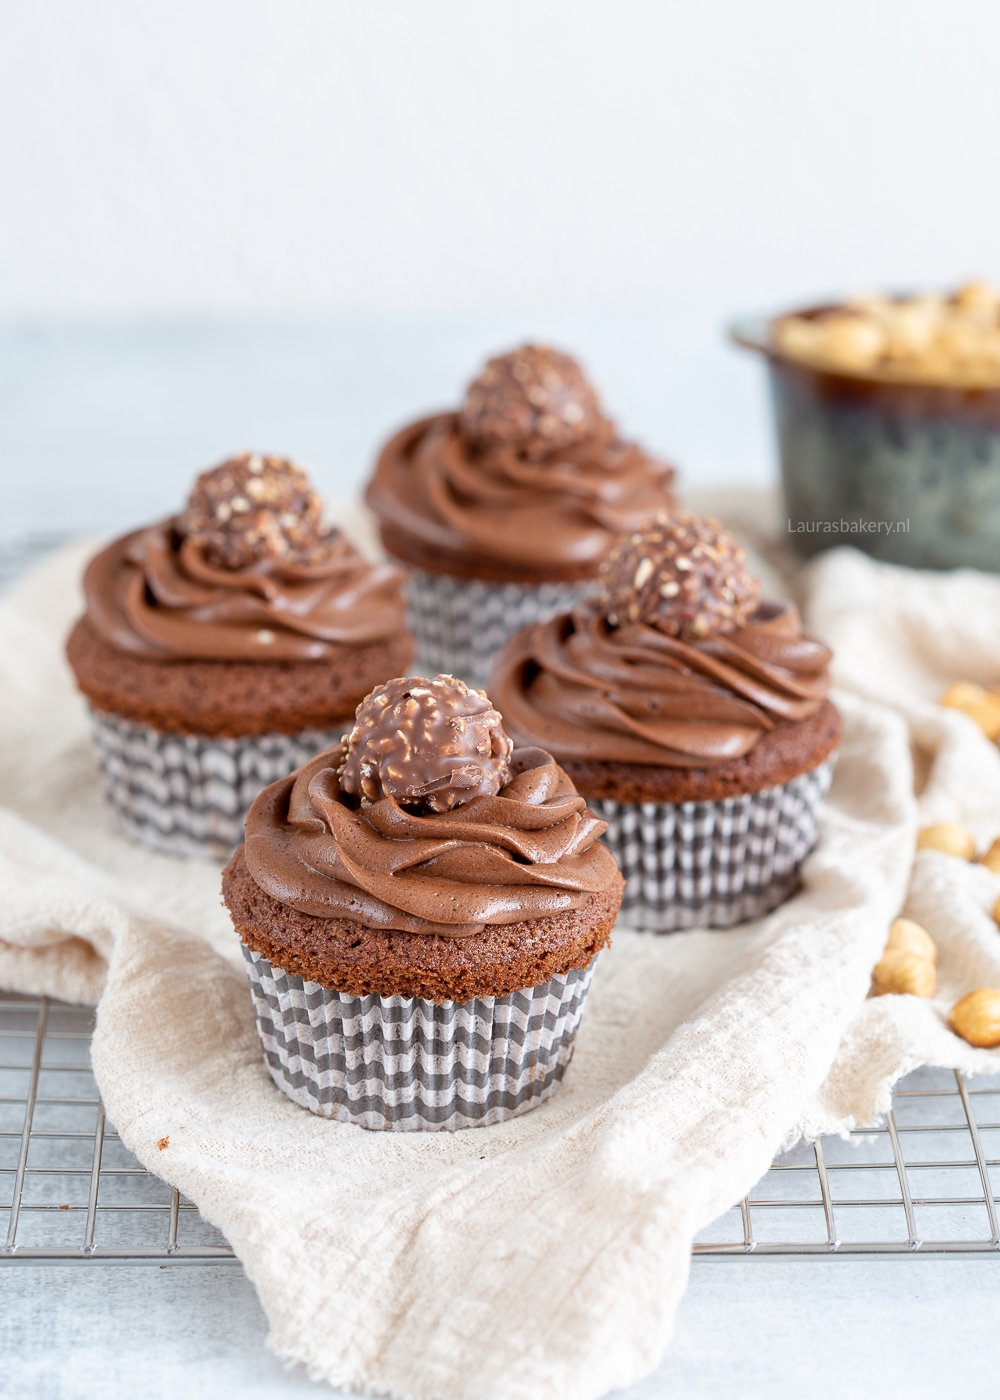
(887, 411)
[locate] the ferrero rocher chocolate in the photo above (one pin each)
(253, 508)
(534, 400)
(681, 574)
(432, 745)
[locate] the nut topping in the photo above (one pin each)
(976, 1018)
(253, 508)
(681, 574)
(535, 400)
(907, 964)
(432, 745)
(982, 706)
(948, 837)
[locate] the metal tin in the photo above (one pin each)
(907, 472)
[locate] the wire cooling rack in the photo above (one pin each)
(924, 1183)
(70, 1191)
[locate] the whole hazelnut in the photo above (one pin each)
(948, 837)
(982, 706)
(976, 1018)
(432, 745)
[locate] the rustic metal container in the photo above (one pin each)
(907, 472)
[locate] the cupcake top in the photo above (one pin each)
(679, 664)
(529, 475)
(427, 820)
(249, 571)
(950, 340)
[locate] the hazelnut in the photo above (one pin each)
(901, 973)
(992, 857)
(920, 339)
(981, 706)
(948, 837)
(907, 964)
(907, 936)
(852, 342)
(976, 1018)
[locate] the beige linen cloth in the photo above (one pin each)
(546, 1256)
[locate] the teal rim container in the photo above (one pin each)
(908, 472)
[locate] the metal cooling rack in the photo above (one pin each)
(70, 1191)
(926, 1183)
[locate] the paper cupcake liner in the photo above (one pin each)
(188, 794)
(410, 1065)
(713, 864)
(462, 625)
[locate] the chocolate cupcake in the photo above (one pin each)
(223, 647)
(503, 512)
(694, 719)
(420, 910)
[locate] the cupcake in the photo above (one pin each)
(692, 716)
(420, 910)
(503, 512)
(223, 647)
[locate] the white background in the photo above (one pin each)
(291, 223)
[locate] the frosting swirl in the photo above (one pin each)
(154, 594)
(588, 690)
(530, 851)
(494, 501)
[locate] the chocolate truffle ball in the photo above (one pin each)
(681, 574)
(253, 508)
(534, 400)
(430, 744)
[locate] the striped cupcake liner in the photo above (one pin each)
(462, 625)
(188, 794)
(410, 1065)
(713, 864)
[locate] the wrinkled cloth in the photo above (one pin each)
(546, 1255)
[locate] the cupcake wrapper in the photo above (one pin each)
(462, 625)
(187, 794)
(713, 864)
(410, 1065)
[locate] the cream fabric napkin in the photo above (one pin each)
(545, 1256)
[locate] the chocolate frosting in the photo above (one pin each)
(588, 690)
(153, 594)
(530, 851)
(433, 486)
